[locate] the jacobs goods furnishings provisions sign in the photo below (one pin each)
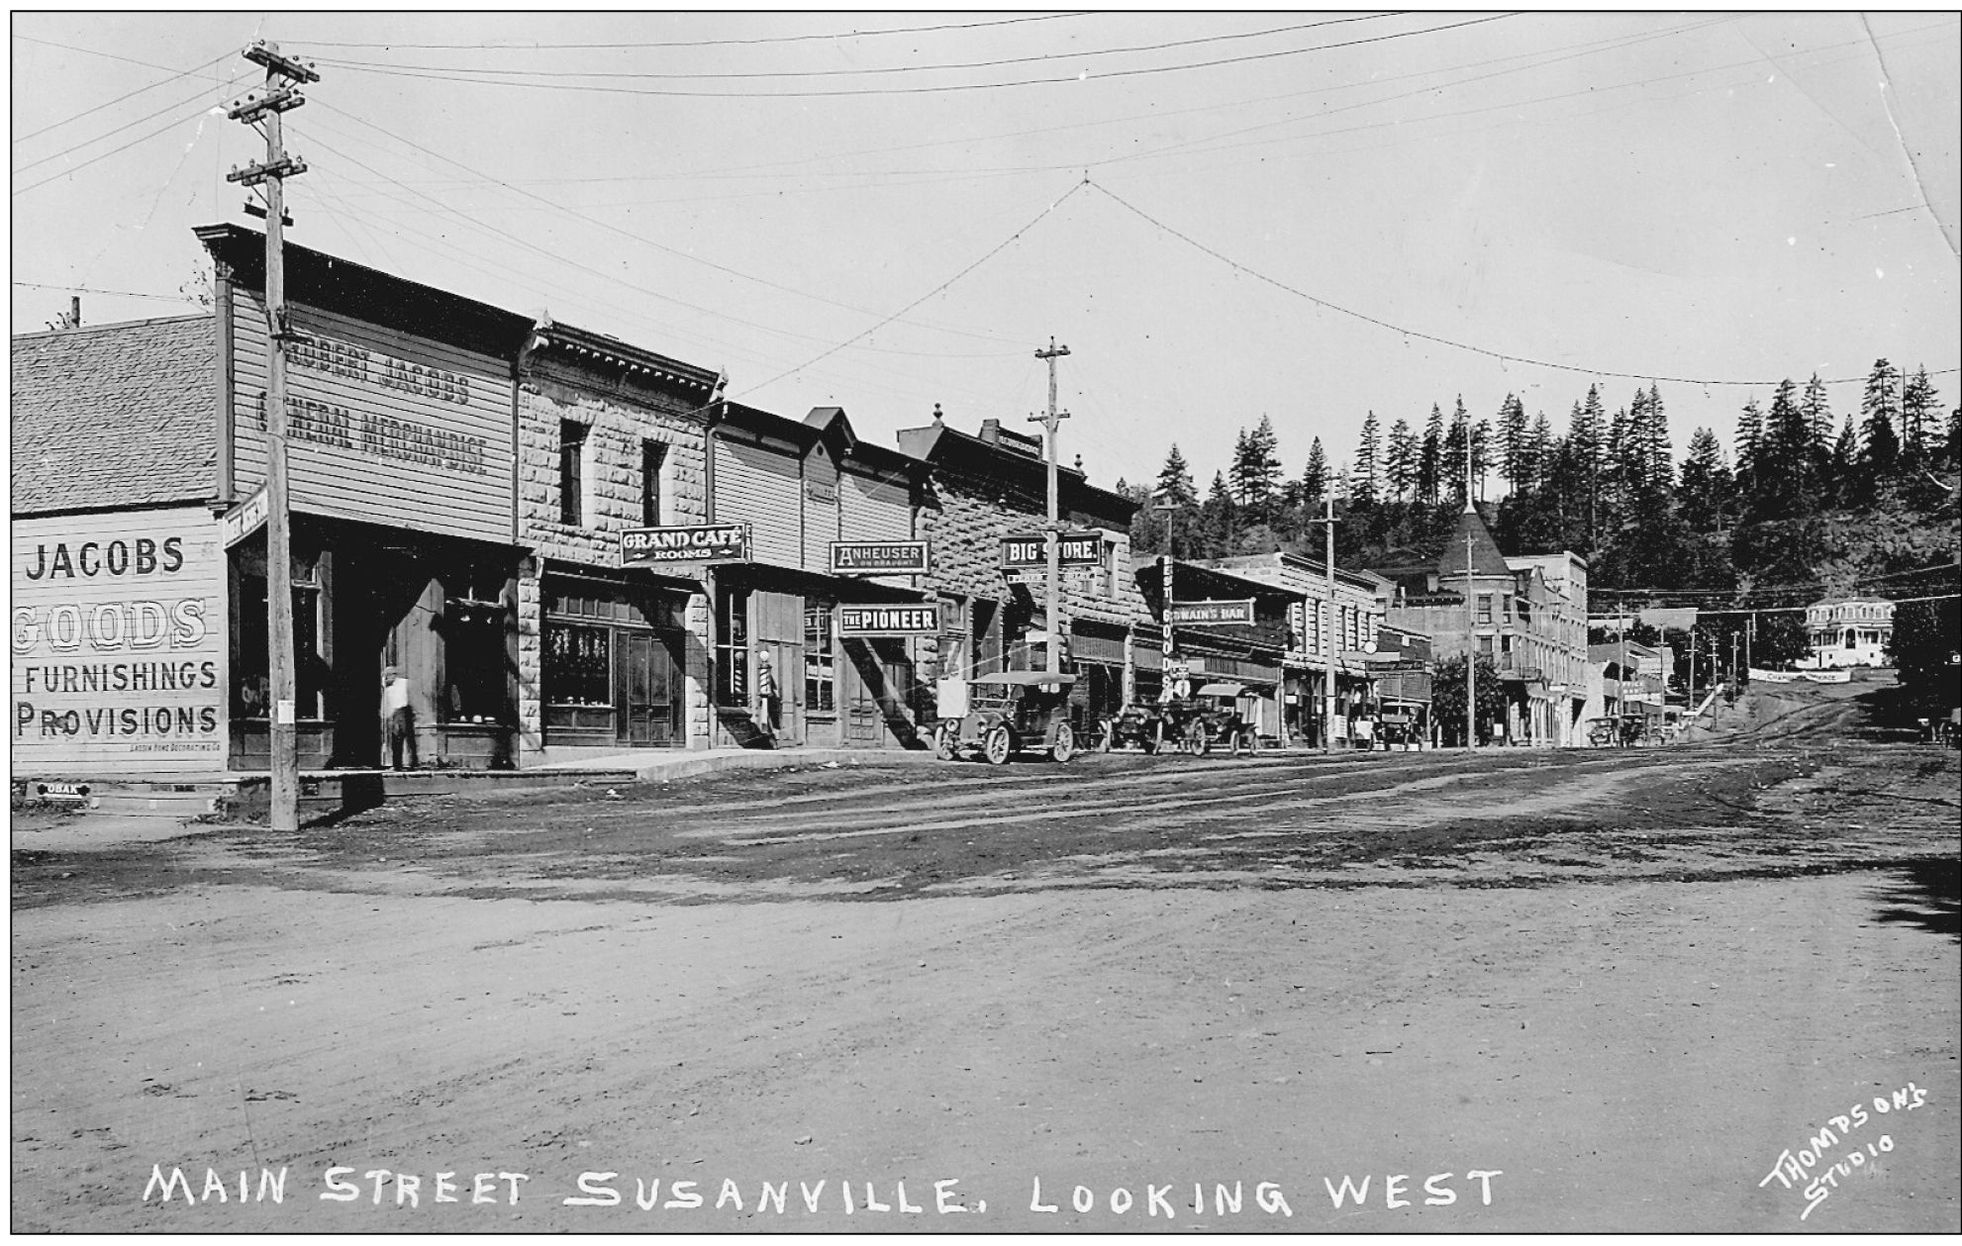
(878, 557)
(382, 427)
(1210, 611)
(684, 543)
(118, 631)
(903, 620)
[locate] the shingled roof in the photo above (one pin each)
(1485, 556)
(114, 415)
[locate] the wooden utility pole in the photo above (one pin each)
(1471, 641)
(1328, 632)
(283, 79)
(1055, 603)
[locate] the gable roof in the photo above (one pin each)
(114, 415)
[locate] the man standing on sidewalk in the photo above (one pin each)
(401, 718)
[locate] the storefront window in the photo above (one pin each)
(252, 674)
(578, 666)
(732, 646)
(474, 661)
(820, 661)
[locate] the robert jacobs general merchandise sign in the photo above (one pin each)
(684, 543)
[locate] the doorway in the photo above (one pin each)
(649, 680)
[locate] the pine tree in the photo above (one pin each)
(1255, 470)
(1587, 438)
(1539, 453)
(1369, 453)
(1750, 444)
(1659, 472)
(1219, 519)
(1512, 443)
(1703, 494)
(1880, 444)
(1430, 457)
(1818, 419)
(1400, 460)
(1842, 467)
(1919, 411)
(1481, 453)
(1452, 456)
(1175, 480)
(1314, 481)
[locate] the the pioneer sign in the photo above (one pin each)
(1074, 549)
(684, 543)
(921, 619)
(878, 557)
(1210, 611)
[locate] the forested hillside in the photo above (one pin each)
(1817, 502)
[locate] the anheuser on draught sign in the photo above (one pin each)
(118, 643)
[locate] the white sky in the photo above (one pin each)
(1698, 195)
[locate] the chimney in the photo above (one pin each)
(991, 432)
(75, 311)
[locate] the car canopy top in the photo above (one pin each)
(1023, 679)
(1223, 690)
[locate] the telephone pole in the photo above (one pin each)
(1328, 632)
(284, 76)
(1471, 639)
(1055, 605)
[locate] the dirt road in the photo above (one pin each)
(1522, 990)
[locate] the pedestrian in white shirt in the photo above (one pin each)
(401, 717)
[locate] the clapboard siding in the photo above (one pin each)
(760, 486)
(135, 598)
(875, 509)
(458, 481)
(821, 499)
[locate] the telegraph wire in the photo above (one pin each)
(607, 225)
(122, 294)
(1501, 356)
(1046, 57)
(119, 99)
(827, 37)
(77, 168)
(996, 250)
(940, 89)
(199, 98)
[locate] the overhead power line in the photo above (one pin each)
(74, 147)
(123, 294)
(1503, 357)
(55, 125)
(938, 89)
(77, 168)
(824, 36)
(743, 75)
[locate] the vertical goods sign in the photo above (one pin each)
(118, 644)
(382, 427)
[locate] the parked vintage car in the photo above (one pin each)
(1141, 725)
(1214, 714)
(1009, 713)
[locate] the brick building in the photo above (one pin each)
(994, 485)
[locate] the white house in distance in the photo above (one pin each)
(1853, 632)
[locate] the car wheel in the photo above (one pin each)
(997, 746)
(1243, 743)
(1198, 740)
(1153, 739)
(943, 744)
(1106, 737)
(1064, 746)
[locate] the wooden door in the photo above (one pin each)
(777, 629)
(650, 690)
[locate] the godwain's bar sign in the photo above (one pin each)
(1210, 611)
(684, 543)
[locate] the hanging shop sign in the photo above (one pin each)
(1074, 549)
(684, 543)
(246, 518)
(878, 557)
(1210, 611)
(922, 619)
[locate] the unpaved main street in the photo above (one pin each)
(1523, 990)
